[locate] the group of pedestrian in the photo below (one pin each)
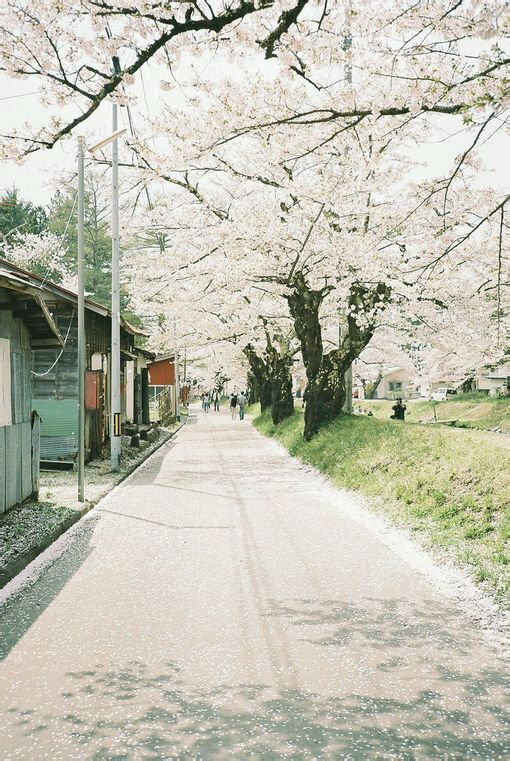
(238, 402)
(214, 397)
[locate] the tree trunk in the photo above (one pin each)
(325, 372)
(282, 401)
(253, 387)
(261, 373)
(273, 380)
(326, 393)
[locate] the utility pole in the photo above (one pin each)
(115, 416)
(177, 379)
(81, 319)
(185, 380)
(348, 390)
(347, 377)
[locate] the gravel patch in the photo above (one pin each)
(30, 528)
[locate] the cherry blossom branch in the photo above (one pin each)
(287, 19)
(215, 23)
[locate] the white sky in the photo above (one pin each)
(41, 173)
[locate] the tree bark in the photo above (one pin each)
(261, 372)
(282, 401)
(325, 372)
(272, 374)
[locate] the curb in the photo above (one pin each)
(19, 563)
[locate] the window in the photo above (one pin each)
(395, 386)
(5, 382)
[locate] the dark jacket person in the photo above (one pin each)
(399, 410)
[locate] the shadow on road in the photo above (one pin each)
(173, 527)
(137, 708)
(19, 613)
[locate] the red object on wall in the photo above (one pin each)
(162, 373)
(92, 389)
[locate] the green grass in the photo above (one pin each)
(469, 410)
(454, 491)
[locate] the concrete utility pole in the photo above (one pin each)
(347, 377)
(115, 419)
(177, 379)
(115, 412)
(81, 319)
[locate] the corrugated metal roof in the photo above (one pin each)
(17, 285)
(24, 277)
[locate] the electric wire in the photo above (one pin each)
(46, 372)
(21, 95)
(45, 278)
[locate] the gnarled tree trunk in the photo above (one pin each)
(326, 372)
(282, 401)
(272, 373)
(261, 371)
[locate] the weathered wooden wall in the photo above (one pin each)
(55, 390)
(16, 439)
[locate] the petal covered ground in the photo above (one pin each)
(222, 604)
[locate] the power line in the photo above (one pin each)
(46, 372)
(21, 95)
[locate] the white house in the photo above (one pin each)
(397, 381)
(494, 378)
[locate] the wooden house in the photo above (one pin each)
(55, 370)
(24, 320)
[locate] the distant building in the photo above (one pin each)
(162, 386)
(397, 381)
(494, 379)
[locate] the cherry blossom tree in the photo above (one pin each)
(81, 52)
(294, 201)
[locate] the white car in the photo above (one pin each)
(442, 394)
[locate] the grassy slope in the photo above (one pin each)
(454, 491)
(469, 410)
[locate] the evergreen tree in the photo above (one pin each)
(62, 220)
(18, 217)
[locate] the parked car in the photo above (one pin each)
(442, 394)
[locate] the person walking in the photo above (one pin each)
(207, 402)
(233, 406)
(242, 401)
(216, 400)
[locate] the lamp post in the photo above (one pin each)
(81, 320)
(115, 410)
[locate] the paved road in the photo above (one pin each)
(222, 604)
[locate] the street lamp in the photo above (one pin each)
(115, 406)
(115, 354)
(106, 141)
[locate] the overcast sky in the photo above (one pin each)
(41, 174)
